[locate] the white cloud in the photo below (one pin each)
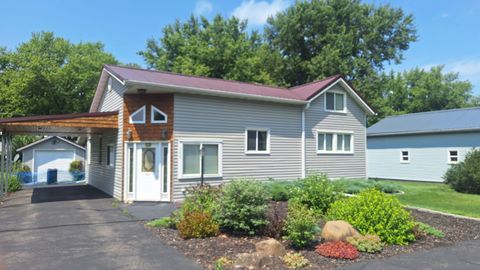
(203, 7)
(257, 13)
(444, 15)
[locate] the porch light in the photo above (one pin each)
(141, 90)
(129, 134)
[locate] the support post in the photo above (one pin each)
(202, 164)
(3, 189)
(8, 161)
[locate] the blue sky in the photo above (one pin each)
(449, 31)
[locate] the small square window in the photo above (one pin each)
(452, 156)
(257, 141)
(335, 101)
(405, 156)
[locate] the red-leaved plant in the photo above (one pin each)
(337, 250)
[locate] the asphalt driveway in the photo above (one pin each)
(76, 227)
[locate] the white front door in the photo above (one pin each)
(150, 173)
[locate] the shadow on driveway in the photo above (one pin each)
(66, 193)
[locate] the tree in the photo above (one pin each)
(50, 75)
(420, 90)
(320, 38)
(221, 49)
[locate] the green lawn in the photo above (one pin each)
(439, 197)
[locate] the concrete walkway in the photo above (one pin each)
(464, 256)
(149, 210)
(76, 227)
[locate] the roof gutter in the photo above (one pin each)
(220, 93)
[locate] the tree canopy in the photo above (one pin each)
(50, 75)
(221, 49)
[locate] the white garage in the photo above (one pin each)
(51, 153)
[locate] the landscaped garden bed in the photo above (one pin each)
(224, 228)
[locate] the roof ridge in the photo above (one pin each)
(200, 77)
(437, 111)
(315, 81)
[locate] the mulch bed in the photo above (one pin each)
(206, 251)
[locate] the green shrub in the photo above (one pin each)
(301, 226)
(243, 207)
(369, 243)
(14, 184)
(295, 260)
(423, 228)
(465, 176)
(373, 212)
(197, 225)
(76, 166)
(280, 190)
(316, 192)
(165, 222)
(198, 199)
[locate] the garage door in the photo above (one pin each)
(53, 159)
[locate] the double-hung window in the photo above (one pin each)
(257, 141)
(335, 101)
(191, 160)
(340, 142)
(452, 156)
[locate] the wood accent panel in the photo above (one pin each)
(148, 131)
(108, 122)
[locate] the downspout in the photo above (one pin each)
(304, 164)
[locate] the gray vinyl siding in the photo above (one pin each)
(112, 101)
(100, 175)
(428, 155)
(226, 119)
(336, 165)
(27, 154)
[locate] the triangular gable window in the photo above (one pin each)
(158, 117)
(138, 117)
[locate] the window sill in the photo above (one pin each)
(404, 162)
(334, 153)
(258, 153)
(197, 176)
(337, 112)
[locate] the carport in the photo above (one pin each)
(74, 125)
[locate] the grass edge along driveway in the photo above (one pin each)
(439, 197)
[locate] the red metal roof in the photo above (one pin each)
(302, 92)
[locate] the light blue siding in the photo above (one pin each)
(428, 155)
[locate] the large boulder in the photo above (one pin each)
(252, 260)
(338, 230)
(270, 247)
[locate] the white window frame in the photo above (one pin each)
(181, 143)
(111, 161)
(450, 156)
(257, 152)
(335, 133)
(152, 114)
(142, 110)
(401, 156)
(109, 84)
(334, 101)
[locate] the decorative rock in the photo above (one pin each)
(252, 260)
(338, 230)
(270, 247)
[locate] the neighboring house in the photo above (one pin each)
(51, 153)
(421, 146)
(147, 131)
